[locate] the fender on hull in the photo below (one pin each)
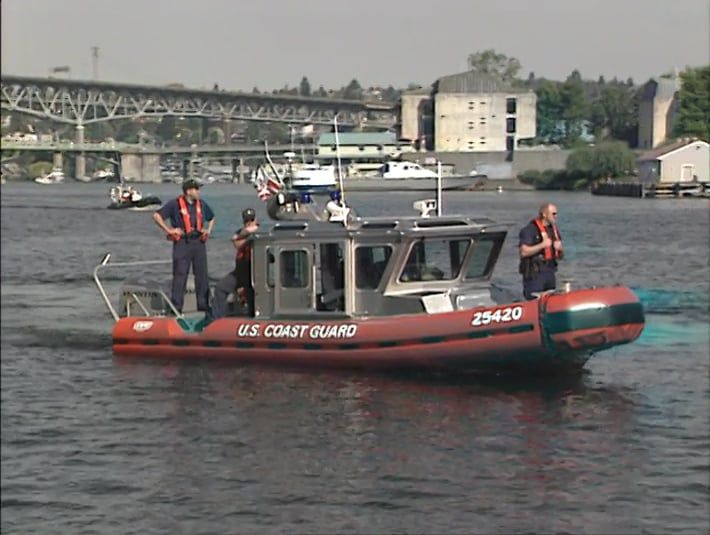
(558, 331)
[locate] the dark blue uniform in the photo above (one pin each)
(543, 276)
(189, 250)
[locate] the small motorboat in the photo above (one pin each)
(56, 176)
(128, 197)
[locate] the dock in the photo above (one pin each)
(669, 190)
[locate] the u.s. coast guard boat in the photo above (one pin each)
(411, 292)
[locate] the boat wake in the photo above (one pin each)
(662, 301)
(57, 339)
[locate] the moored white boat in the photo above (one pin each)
(313, 177)
(56, 176)
(403, 170)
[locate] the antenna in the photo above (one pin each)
(95, 61)
(438, 188)
(337, 155)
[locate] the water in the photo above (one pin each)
(93, 444)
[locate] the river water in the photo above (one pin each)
(93, 444)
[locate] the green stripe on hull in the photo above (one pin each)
(574, 320)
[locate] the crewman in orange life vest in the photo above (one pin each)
(540, 249)
(192, 221)
(240, 277)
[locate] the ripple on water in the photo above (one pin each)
(93, 444)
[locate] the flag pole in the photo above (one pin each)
(337, 155)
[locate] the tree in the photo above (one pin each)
(612, 159)
(127, 131)
(11, 123)
(549, 112)
(215, 136)
(255, 90)
(99, 131)
(615, 113)
(304, 89)
(491, 62)
(166, 129)
(575, 107)
(694, 112)
(391, 94)
(353, 90)
(40, 168)
(321, 92)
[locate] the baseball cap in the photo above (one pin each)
(190, 184)
(248, 215)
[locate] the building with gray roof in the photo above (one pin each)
(658, 107)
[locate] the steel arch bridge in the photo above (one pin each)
(80, 102)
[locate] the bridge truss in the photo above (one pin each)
(83, 102)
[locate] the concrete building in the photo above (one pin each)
(684, 161)
(416, 116)
(658, 106)
(469, 112)
(362, 145)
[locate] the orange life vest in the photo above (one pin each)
(550, 252)
(244, 252)
(185, 214)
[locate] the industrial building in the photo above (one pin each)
(658, 107)
(468, 112)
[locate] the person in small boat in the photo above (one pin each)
(192, 221)
(540, 247)
(240, 277)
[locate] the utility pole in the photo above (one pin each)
(95, 62)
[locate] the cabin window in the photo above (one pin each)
(330, 278)
(370, 264)
(270, 260)
(510, 125)
(434, 259)
(294, 269)
(511, 105)
(478, 265)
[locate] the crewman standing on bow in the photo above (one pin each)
(540, 249)
(192, 221)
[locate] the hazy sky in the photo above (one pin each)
(270, 43)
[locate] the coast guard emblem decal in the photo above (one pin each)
(142, 326)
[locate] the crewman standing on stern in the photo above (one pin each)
(540, 248)
(192, 221)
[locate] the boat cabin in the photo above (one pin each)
(374, 266)
(403, 170)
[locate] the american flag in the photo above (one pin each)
(267, 187)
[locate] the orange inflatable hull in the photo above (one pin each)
(558, 331)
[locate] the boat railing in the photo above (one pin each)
(132, 295)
